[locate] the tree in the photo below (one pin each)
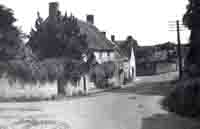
(57, 40)
(7, 18)
(60, 38)
(15, 59)
(184, 98)
(10, 40)
(191, 20)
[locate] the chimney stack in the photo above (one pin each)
(53, 9)
(113, 38)
(90, 18)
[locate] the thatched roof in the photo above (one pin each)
(95, 39)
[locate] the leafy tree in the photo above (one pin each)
(15, 59)
(59, 38)
(7, 18)
(10, 40)
(184, 99)
(60, 41)
(192, 20)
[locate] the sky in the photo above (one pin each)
(146, 20)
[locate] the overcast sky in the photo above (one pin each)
(145, 20)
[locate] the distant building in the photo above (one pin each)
(159, 58)
(126, 49)
(152, 60)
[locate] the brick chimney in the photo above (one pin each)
(53, 9)
(113, 38)
(90, 18)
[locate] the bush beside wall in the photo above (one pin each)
(184, 98)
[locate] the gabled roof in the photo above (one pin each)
(95, 39)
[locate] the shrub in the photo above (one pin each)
(101, 73)
(184, 98)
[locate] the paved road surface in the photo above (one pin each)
(131, 108)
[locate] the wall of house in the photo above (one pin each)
(104, 56)
(161, 55)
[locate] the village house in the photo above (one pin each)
(98, 44)
(157, 59)
(150, 60)
(101, 47)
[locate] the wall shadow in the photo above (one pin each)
(169, 121)
(3, 109)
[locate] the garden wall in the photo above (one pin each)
(17, 90)
(166, 67)
(47, 90)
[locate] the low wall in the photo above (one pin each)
(17, 89)
(47, 90)
(166, 67)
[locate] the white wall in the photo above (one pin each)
(126, 68)
(27, 90)
(104, 56)
(47, 90)
(112, 56)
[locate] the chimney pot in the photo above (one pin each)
(90, 18)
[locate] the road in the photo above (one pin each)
(135, 107)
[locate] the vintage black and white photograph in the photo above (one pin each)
(99, 64)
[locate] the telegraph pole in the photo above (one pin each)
(179, 49)
(175, 26)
